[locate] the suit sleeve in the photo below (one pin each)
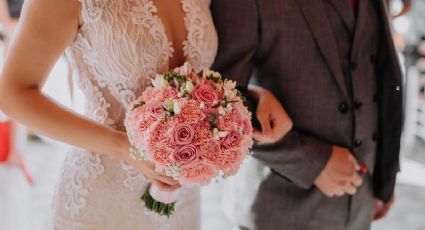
(237, 25)
(391, 117)
(299, 158)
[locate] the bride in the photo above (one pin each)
(116, 47)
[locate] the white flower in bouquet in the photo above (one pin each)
(159, 82)
(189, 87)
(176, 107)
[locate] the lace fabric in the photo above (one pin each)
(120, 47)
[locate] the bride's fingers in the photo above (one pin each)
(166, 180)
(165, 187)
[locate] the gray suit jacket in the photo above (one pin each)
(287, 46)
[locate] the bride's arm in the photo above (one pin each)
(46, 28)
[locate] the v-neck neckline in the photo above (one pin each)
(169, 42)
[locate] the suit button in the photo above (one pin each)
(353, 66)
(357, 143)
(343, 107)
(358, 104)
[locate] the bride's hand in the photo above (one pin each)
(147, 168)
(163, 182)
(275, 121)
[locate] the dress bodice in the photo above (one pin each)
(123, 44)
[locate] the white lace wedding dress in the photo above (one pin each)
(119, 48)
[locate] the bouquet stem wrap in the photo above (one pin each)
(161, 202)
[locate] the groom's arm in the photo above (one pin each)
(237, 24)
(299, 157)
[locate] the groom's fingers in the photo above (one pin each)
(350, 189)
(281, 124)
(257, 135)
(357, 180)
(340, 193)
(260, 137)
(355, 163)
(264, 119)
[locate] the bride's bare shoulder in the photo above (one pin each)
(53, 22)
(63, 10)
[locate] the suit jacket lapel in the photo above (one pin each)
(346, 13)
(360, 28)
(315, 14)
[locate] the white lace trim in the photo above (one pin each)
(85, 167)
(144, 14)
(195, 49)
(93, 11)
(135, 181)
(96, 107)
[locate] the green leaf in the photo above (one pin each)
(212, 119)
(135, 106)
(157, 207)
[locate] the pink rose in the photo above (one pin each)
(206, 94)
(155, 110)
(185, 154)
(170, 94)
(231, 140)
(183, 134)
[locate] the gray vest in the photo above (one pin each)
(357, 39)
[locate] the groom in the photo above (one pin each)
(332, 65)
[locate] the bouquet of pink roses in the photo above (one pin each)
(193, 127)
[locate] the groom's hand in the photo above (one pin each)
(274, 120)
(381, 208)
(340, 174)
